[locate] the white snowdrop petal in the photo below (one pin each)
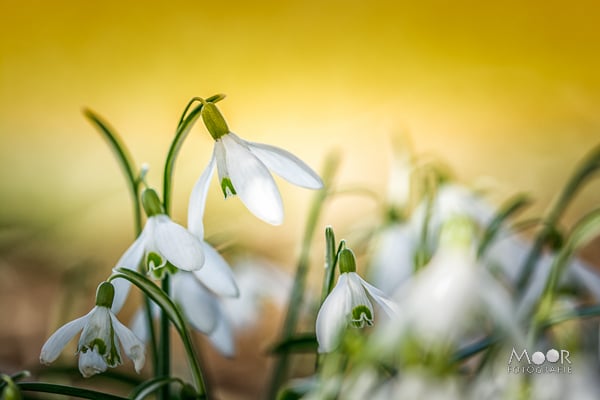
(131, 259)
(387, 305)
(177, 244)
(216, 274)
(134, 347)
(198, 200)
(252, 182)
(222, 337)
(197, 303)
(139, 325)
(333, 315)
(59, 339)
(286, 165)
(91, 363)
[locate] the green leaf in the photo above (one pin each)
(584, 171)
(66, 391)
(301, 343)
(330, 260)
(124, 159)
(149, 387)
(158, 296)
(512, 207)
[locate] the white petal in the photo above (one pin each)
(222, 337)
(216, 274)
(286, 165)
(387, 305)
(198, 200)
(177, 244)
(131, 259)
(59, 339)
(91, 363)
(139, 325)
(134, 347)
(197, 303)
(252, 181)
(333, 315)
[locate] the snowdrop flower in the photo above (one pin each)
(162, 244)
(439, 302)
(348, 303)
(243, 169)
(98, 346)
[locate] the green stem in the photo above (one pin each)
(66, 391)
(164, 361)
(133, 182)
(172, 312)
(183, 128)
(295, 302)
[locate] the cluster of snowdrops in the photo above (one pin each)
(451, 297)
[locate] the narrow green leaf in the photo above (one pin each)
(124, 159)
(330, 258)
(149, 387)
(297, 388)
(66, 391)
(583, 172)
(301, 343)
(512, 207)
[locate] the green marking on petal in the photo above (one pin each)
(227, 187)
(361, 315)
(154, 261)
(112, 358)
(98, 344)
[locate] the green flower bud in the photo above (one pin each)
(347, 261)
(214, 121)
(151, 203)
(105, 295)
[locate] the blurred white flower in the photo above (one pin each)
(440, 302)
(243, 169)
(259, 283)
(98, 345)
(202, 308)
(393, 257)
(348, 303)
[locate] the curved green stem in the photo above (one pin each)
(183, 128)
(295, 302)
(172, 312)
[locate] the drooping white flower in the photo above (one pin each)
(349, 303)
(162, 241)
(98, 345)
(243, 169)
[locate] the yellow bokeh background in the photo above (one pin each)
(508, 91)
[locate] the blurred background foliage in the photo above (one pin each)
(507, 92)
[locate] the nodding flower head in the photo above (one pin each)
(101, 332)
